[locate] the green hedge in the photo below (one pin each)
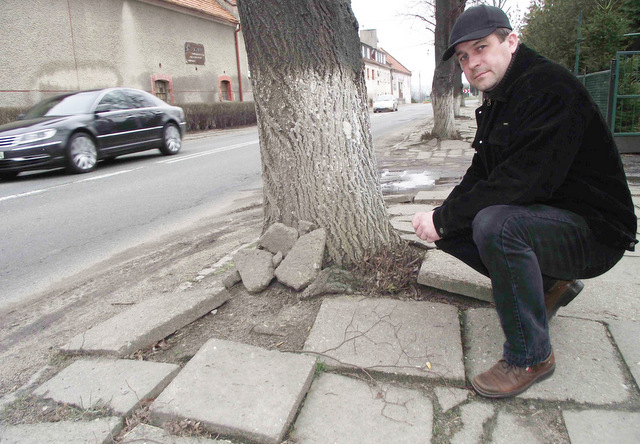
(199, 116)
(10, 114)
(204, 116)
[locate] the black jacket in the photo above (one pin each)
(541, 139)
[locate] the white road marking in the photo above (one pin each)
(104, 176)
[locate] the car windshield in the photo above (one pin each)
(78, 103)
(384, 98)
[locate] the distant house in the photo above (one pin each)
(184, 51)
(383, 74)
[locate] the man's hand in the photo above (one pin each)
(425, 229)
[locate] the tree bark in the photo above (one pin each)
(442, 96)
(318, 162)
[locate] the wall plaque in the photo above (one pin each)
(194, 53)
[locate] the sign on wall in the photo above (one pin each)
(194, 53)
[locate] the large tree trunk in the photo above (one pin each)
(318, 161)
(442, 96)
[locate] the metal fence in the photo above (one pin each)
(617, 94)
(598, 85)
(625, 119)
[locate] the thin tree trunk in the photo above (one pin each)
(447, 11)
(318, 161)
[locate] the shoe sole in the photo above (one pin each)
(542, 377)
(567, 297)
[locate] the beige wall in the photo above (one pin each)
(53, 46)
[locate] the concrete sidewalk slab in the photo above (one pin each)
(134, 329)
(346, 410)
(144, 433)
(433, 197)
(605, 301)
(101, 430)
(512, 428)
(625, 335)
(116, 384)
(625, 271)
(587, 366)
(474, 416)
(449, 397)
(443, 271)
(603, 426)
(238, 390)
(408, 209)
(388, 335)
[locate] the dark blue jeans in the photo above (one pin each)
(523, 250)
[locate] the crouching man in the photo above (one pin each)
(545, 201)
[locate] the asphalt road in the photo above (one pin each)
(55, 225)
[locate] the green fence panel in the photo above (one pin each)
(626, 111)
(597, 85)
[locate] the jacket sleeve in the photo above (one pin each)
(532, 153)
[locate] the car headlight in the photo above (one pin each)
(35, 136)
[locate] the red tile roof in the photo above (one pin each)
(210, 7)
(395, 65)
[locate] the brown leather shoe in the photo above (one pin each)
(504, 380)
(560, 294)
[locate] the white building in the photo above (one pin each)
(383, 74)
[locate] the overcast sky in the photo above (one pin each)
(406, 38)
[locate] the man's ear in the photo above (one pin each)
(512, 40)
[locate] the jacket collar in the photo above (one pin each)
(520, 62)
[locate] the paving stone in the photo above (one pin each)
(473, 417)
(433, 197)
(603, 426)
(414, 238)
(625, 271)
(238, 390)
(605, 301)
(346, 410)
(398, 198)
(445, 272)
(144, 433)
(255, 267)
(449, 397)
(625, 335)
(587, 366)
(134, 329)
(116, 384)
(101, 430)
(403, 226)
(388, 335)
(304, 261)
(511, 428)
(408, 209)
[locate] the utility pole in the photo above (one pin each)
(575, 69)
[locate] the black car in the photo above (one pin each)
(76, 130)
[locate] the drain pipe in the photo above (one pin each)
(238, 61)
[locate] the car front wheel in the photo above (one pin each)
(82, 154)
(171, 139)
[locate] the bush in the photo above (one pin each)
(10, 114)
(205, 116)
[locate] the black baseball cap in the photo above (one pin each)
(475, 23)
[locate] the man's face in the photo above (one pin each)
(485, 61)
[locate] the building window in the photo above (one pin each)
(225, 90)
(162, 87)
(373, 74)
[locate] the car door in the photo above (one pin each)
(150, 115)
(117, 123)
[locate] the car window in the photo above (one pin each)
(385, 98)
(63, 105)
(139, 99)
(113, 101)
